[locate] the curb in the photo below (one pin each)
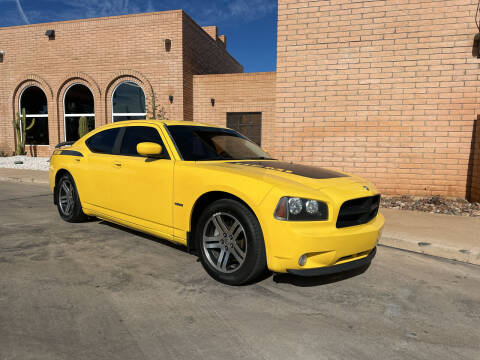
(469, 256)
(24, 180)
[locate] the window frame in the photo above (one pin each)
(65, 115)
(32, 115)
(114, 114)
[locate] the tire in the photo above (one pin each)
(68, 201)
(235, 255)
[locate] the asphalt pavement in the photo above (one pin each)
(98, 291)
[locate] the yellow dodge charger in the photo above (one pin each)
(215, 191)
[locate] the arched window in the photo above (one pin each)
(34, 101)
(78, 102)
(128, 102)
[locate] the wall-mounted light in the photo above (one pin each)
(168, 45)
(212, 101)
(170, 98)
(2, 55)
(50, 34)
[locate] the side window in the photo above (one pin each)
(103, 141)
(138, 134)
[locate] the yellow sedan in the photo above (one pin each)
(216, 192)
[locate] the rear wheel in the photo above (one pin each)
(231, 243)
(68, 201)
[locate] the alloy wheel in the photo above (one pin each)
(66, 197)
(224, 242)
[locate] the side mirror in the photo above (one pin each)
(149, 149)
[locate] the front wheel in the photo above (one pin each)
(230, 241)
(68, 201)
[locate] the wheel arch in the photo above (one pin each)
(201, 203)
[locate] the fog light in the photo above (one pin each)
(303, 260)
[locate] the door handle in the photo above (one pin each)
(117, 164)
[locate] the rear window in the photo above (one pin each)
(103, 141)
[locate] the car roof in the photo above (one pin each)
(152, 121)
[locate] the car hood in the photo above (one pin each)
(280, 173)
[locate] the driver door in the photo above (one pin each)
(142, 188)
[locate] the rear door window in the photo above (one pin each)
(135, 135)
(103, 142)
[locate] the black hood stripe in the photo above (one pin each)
(295, 169)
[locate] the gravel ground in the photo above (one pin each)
(432, 204)
(29, 163)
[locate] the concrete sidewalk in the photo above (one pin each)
(450, 237)
(446, 236)
(24, 176)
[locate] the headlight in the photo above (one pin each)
(298, 209)
(295, 206)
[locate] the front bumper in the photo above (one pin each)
(329, 270)
(322, 243)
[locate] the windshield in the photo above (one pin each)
(201, 143)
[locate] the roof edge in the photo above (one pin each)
(90, 19)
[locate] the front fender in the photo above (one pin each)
(190, 183)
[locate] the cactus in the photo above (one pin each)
(82, 126)
(20, 126)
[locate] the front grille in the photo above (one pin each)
(358, 211)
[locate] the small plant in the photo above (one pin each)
(158, 114)
(82, 126)
(162, 114)
(20, 126)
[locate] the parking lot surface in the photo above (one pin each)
(98, 291)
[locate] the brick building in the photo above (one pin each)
(386, 90)
(105, 69)
(251, 95)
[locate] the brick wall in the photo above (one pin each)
(251, 92)
(101, 53)
(212, 31)
(386, 90)
(96, 52)
(203, 53)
